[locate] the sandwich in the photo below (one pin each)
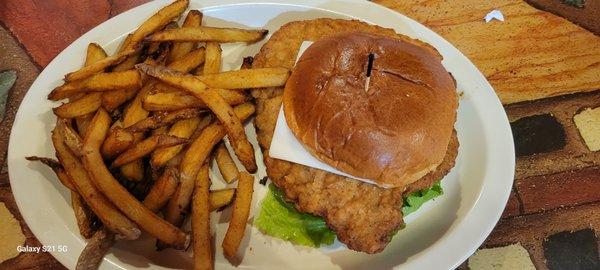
(368, 102)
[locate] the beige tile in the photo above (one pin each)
(588, 123)
(501, 258)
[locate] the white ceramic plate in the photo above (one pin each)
(439, 236)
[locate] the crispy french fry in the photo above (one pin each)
(203, 33)
(125, 44)
(162, 190)
(183, 129)
(177, 100)
(241, 146)
(72, 138)
(117, 141)
(112, 100)
(239, 216)
(98, 82)
(82, 123)
(220, 198)
(94, 251)
(98, 66)
(193, 19)
(117, 194)
(157, 21)
(247, 78)
(134, 113)
(196, 155)
(131, 60)
(145, 147)
(212, 64)
(83, 215)
(199, 150)
(189, 61)
(94, 54)
(162, 119)
(57, 168)
(225, 163)
(80, 107)
(202, 243)
(110, 216)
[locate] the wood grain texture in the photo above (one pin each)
(587, 17)
(532, 55)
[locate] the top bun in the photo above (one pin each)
(397, 131)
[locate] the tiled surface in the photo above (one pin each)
(555, 198)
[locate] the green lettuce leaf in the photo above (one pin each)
(280, 219)
(414, 200)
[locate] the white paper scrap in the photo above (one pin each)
(494, 14)
(285, 146)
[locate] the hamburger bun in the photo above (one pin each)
(396, 132)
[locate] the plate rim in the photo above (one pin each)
(500, 197)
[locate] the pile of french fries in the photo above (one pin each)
(139, 129)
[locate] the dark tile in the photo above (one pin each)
(537, 134)
(513, 206)
(572, 251)
(564, 189)
(587, 17)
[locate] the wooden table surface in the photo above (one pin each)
(551, 207)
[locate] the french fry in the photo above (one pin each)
(135, 112)
(94, 54)
(199, 150)
(217, 105)
(157, 21)
(98, 66)
(82, 123)
(189, 61)
(145, 147)
(162, 119)
(212, 64)
(193, 19)
(162, 190)
(239, 216)
(117, 141)
(203, 33)
(117, 194)
(57, 168)
(110, 216)
(98, 82)
(83, 215)
(177, 100)
(94, 251)
(202, 243)
(225, 163)
(183, 129)
(128, 63)
(247, 78)
(220, 198)
(80, 107)
(72, 138)
(112, 100)
(197, 154)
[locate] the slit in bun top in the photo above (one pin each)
(394, 132)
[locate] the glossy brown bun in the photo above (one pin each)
(395, 133)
